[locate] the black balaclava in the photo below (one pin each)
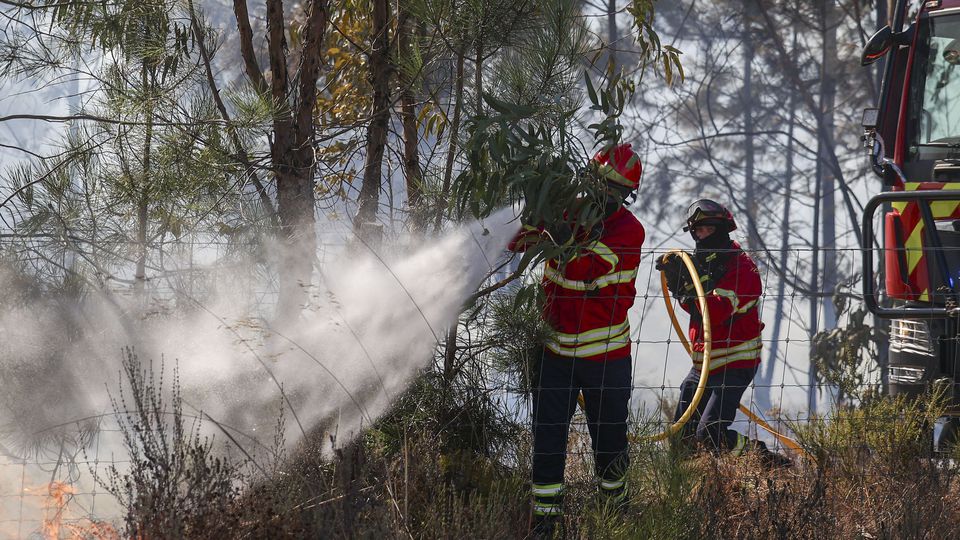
(720, 239)
(713, 251)
(615, 199)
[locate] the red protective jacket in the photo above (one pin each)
(587, 298)
(734, 317)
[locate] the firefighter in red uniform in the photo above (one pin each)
(587, 299)
(732, 285)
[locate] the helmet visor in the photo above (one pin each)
(704, 209)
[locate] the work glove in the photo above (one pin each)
(678, 280)
(561, 233)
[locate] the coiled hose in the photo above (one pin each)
(705, 369)
(695, 275)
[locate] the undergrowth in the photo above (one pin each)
(441, 465)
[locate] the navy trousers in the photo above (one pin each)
(711, 421)
(606, 388)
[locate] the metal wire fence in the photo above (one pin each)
(52, 491)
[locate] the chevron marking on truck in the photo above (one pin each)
(913, 231)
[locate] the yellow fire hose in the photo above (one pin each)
(787, 441)
(705, 370)
(707, 346)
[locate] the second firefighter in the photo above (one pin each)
(731, 282)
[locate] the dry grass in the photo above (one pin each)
(871, 476)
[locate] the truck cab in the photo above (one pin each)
(914, 137)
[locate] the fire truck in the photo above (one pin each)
(914, 137)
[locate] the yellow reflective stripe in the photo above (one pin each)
(729, 295)
(554, 275)
(547, 489)
(617, 484)
(913, 253)
(752, 346)
(734, 300)
(939, 209)
(591, 349)
(741, 445)
(609, 173)
(720, 352)
(720, 362)
(542, 509)
(604, 252)
(690, 287)
(591, 336)
(746, 307)
(914, 247)
(613, 278)
(942, 209)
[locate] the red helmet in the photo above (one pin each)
(707, 212)
(618, 165)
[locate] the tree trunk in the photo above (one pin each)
(828, 90)
(812, 390)
(452, 149)
(364, 223)
(753, 240)
(766, 379)
(140, 276)
(613, 37)
(299, 240)
(450, 354)
(825, 209)
(413, 174)
(291, 150)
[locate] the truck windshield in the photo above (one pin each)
(935, 90)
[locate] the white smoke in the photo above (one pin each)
(371, 326)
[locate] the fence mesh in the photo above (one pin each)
(51, 491)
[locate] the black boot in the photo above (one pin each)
(616, 500)
(771, 459)
(546, 527)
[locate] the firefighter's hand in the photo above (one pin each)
(675, 272)
(560, 233)
(687, 296)
(667, 262)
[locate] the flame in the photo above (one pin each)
(55, 509)
(96, 530)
